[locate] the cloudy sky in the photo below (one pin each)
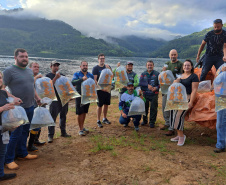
(99, 18)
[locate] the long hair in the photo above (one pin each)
(192, 69)
(2, 80)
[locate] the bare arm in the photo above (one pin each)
(200, 50)
(224, 58)
(193, 94)
(95, 78)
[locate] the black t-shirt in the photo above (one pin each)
(188, 82)
(3, 101)
(215, 43)
(97, 70)
(52, 76)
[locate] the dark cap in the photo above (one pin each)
(55, 62)
(217, 21)
(129, 62)
(129, 83)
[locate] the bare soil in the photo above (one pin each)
(118, 155)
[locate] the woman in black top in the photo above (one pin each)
(191, 83)
(4, 105)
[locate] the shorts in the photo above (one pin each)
(81, 109)
(104, 98)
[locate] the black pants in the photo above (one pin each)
(153, 100)
(54, 109)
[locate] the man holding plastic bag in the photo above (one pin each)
(56, 106)
(150, 86)
(103, 96)
(81, 110)
(20, 82)
(132, 77)
(124, 107)
(176, 67)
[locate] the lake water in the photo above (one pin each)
(69, 67)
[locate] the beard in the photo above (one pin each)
(173, 59)
(21, 64)
(84, 70)
(129, 70)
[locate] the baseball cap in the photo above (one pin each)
(129, 83)
(217, 21)
(129, 62)
(55, 62)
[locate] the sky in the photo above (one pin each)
(160, 19)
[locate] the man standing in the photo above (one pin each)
(176, 67)
(20, 82)
(124, 105)
(150, 87)
(103, 96)
(56, 106)
(81, 111)
(35, 133)
(132, 76)
(215, 54)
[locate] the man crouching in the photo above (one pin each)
(124, 105)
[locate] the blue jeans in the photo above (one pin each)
(136, 120)
(208, 62)
(18, 139)
(221, 129)
(2, 156)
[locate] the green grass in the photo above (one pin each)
(221, 171)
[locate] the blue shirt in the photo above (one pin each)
(77, 79)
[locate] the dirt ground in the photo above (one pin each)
(117, 155)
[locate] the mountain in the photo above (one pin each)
(54, 38)
(50, 38)
(187, 46)
(137, 45)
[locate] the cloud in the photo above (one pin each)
(156, 19)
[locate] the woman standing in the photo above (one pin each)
(4, 105)
(191, 83)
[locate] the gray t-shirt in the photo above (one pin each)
(21, 84)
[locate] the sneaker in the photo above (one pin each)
(85, 130)
(12, 166)
(181, 141)
(143, 123)
(152, 125)
(99, 124)
(125, 125)
(50, 139)
(164, 127)
(8, 176)
(32, 148)
(65, 135)
(106, 121)
(81, 133)
(170, 133)
(136, 128)
(175, 139)
(219, 150)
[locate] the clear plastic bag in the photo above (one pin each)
(165, 78)
(137, 107)
(88, 91)
(176, 97)
(220, 69)
(204, 86)
(44, 88)
(220, 91)
(105, 80)
(13, 118)
(41, 118)
(138, 89)
(65, 89)
(121, 78)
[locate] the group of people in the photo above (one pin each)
(20, 79)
